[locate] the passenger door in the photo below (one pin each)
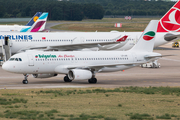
(31, 61)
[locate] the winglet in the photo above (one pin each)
(122, 39)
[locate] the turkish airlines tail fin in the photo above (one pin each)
(171, 20)
(146, 41)
(33, 19)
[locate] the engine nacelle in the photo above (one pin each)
(44, 75)
(78, 74)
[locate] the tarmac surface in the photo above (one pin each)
(167, 75)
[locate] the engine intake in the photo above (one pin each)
(78, 74)
(44, 75)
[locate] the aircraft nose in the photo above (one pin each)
(5, 66)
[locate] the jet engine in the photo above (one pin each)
(78, 74)
(44, 75)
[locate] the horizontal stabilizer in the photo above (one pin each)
(171, 37)
(155, 56)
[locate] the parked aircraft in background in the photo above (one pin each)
(83, 65)
(19, 42)
(21, 28)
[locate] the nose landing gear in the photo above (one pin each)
(25, 81)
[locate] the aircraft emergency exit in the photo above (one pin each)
(83, 65)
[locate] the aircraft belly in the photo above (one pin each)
(42, 68)
(116, 68)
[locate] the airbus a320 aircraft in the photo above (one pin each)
(21, 28)
(83, 65)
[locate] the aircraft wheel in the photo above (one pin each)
(92, 80)
(66, 79)
(25, 81)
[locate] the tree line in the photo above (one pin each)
(82, 9)
(131, 7)
(58, 10)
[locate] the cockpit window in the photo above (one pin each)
(11, 59)
(15, 59)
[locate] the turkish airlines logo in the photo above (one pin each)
(149, 35)
(171, 21)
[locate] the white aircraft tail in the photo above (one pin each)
(146, 41)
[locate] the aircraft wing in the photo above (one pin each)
(80, 45)
(100, 66)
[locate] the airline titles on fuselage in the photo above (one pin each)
(17, 37)
(66, 57)
(52, 56)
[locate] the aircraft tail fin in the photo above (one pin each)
(146, 41)
(33, 19)
(171, 20)
(39, 25)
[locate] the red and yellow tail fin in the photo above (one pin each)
(171, 20)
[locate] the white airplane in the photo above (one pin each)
(27, 28)
(19, 42)
(83, 65)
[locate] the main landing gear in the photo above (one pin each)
(92, 80)
(25, 81)
(66, 79)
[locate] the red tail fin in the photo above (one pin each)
(171, 20)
